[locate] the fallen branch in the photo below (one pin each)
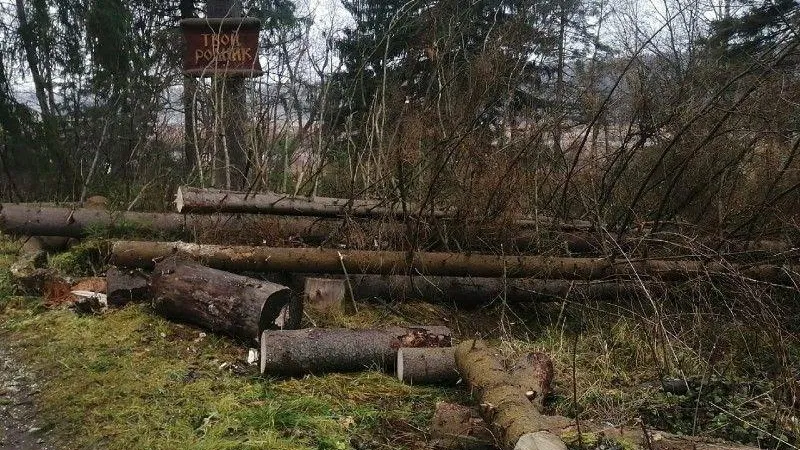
(509, 401)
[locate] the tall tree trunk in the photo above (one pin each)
(189, 86)
(28, 38)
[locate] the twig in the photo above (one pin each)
(347, 278)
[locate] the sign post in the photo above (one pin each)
(225, 49)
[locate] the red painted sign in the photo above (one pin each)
(226, 47)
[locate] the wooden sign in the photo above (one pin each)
(221, 47)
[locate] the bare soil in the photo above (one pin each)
(19, 428)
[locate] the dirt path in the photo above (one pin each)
(19, 429)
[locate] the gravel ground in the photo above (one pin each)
(19, 429)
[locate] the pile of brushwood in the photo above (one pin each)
(335, 254)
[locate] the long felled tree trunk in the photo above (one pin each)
(196, 200)
(33, 220)
(242, 258)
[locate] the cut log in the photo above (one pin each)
(124, 286)
(242, 258)
(80, 222)
(197, 200)
(222, 302)
(319, 350)
(635, 437)
(516, 422)
(427, 366)
(458, 427)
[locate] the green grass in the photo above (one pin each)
(129, 379)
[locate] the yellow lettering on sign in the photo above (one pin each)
(222, 48)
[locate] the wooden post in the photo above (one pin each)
(229, 95)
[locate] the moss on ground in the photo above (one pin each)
(83, 259)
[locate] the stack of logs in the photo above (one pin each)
(203, 284)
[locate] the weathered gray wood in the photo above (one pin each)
(322, 350)
(223, 302)
(196, 200)
(427, 366)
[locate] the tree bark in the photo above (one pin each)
(459, 427)
(197, 200)
(241, 258)
(504, 399)
(125, 286)
(427, 366)
(223, 302)
(319, 350)
(653, 440)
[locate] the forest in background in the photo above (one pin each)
(624, 114)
